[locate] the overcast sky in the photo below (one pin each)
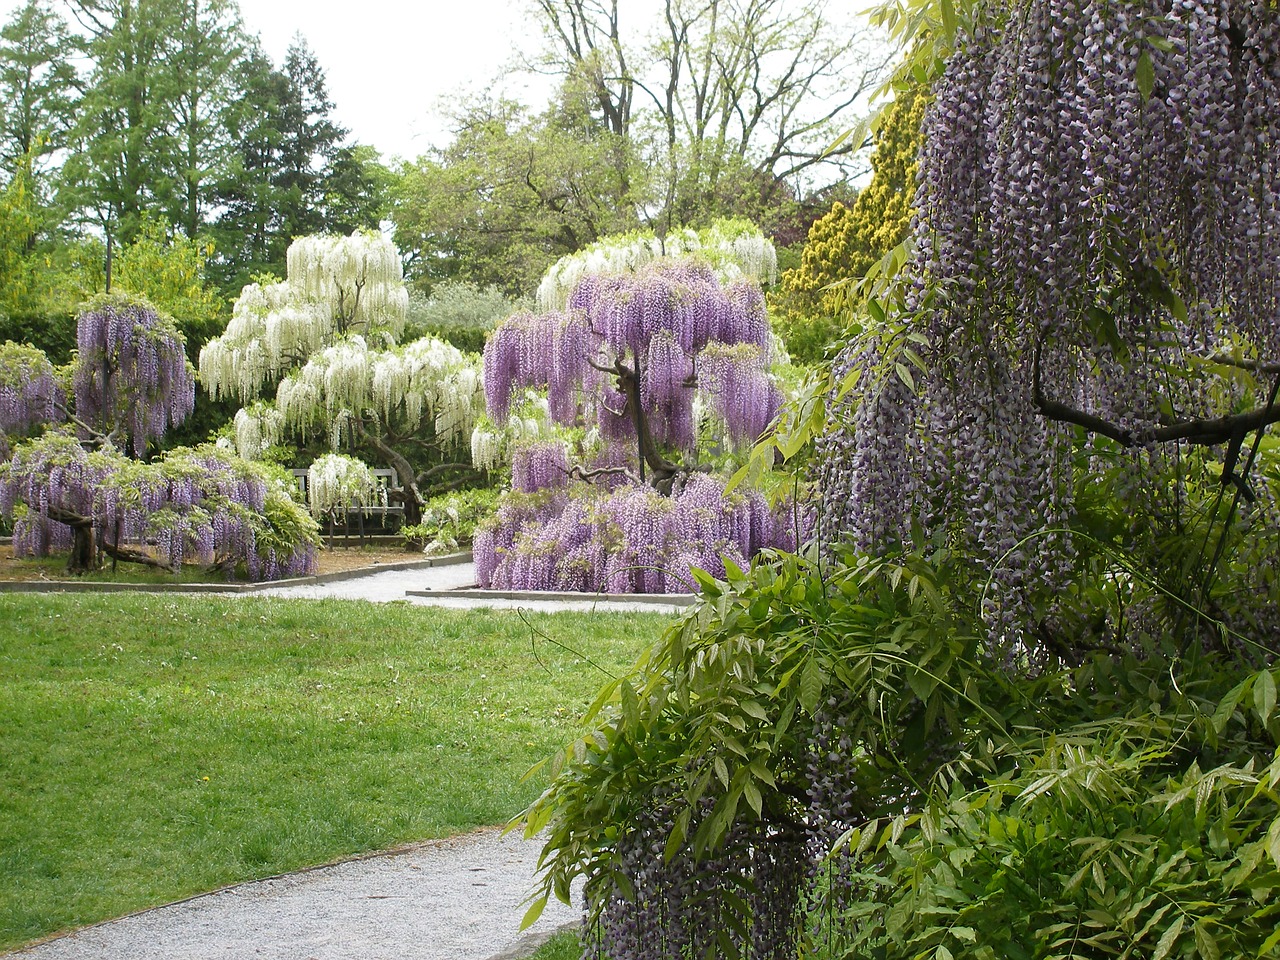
(391, 63)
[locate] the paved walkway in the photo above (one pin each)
(397, 584)
(454, 899)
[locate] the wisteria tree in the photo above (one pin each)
(325, 340)
(652, 365)
(75, 489)
(1096, 282)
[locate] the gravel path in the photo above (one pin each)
(454, 899)
(395, 584)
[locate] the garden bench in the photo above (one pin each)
(382, 507)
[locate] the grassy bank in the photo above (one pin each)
(152, 747)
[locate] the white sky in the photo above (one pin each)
(391, 64)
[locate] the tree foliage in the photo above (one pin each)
(325, 340)
(730, 104)
(842, 246)
(508, 197)
(821, 759)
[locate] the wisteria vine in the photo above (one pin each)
(1098, 208)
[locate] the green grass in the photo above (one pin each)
(564, 945)
(153, 747)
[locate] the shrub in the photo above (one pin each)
(449, 521)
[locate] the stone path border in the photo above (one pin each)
(475, 593)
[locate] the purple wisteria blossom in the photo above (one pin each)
(1098, 205)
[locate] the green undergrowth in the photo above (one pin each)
(55, 568)
(154, 747)
(564, 945)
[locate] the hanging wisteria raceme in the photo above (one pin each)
(628, 539)
(682, 297)
(336, 484)
(132, 380)
(734, 248)
(651, 906)
(195, 505)
(651, 327)
(258, 427)
(1098, 205)
(741, 391)
(30, 395)
(400, 389)
(538, 466)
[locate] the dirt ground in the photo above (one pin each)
(331, 561)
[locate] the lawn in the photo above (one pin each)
(153, 747)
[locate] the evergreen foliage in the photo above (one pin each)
(813, 301)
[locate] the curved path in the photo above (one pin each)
(411, 584)
(454, 899)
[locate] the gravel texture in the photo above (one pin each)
(454, 899)
(415, 586)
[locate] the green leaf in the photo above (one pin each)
(630, 705)
(679, 830)
(905, 376)
(752, 793)
(1167, 939)
(722, 770)
(1222, 716)
(949, 25)
(1146, 75)
(534, 912)
(942, 953)
(1264, 695)
(812, 680)
(1269, 944)
(1273, 842)
(1205, 943)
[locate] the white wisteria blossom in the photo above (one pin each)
(735, 248)
(337, 483)
(336, 286)
(326, 339)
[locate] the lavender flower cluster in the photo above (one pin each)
(670, 911)
(132, 373)
(659, 320)
(202, 505)
(30, 395)
(542, 465)
(1089, 169)
(626, 540)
